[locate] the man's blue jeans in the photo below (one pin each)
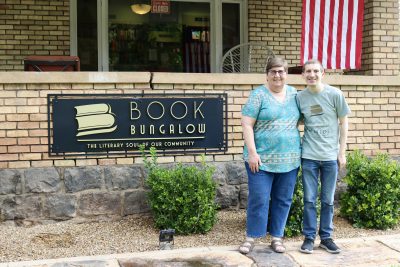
(327, 171)
(263, 186)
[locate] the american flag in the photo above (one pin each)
(332, 32)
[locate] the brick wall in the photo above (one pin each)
(380, 55)
(32, 27)
(278, 24)
(23, 119)
(374, 123)
(37, 187)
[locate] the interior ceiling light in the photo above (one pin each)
(141, 7)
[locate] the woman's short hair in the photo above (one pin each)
(276, 62)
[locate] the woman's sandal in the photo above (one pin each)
(246, 247)
(277, 246)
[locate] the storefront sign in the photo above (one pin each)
(159, 6)
(121, 123)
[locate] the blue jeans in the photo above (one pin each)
(263, 187)
(327, 171)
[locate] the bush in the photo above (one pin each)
(181, 197)
(294, 224)
(372, 198)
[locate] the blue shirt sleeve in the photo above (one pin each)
(253, 104)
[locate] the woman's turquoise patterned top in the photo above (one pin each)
(276, 135)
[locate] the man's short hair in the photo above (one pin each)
(313, 61)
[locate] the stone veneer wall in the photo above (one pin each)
(34, 186)
(96, 192)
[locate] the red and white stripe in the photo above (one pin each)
(332, 32)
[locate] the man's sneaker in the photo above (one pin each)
(329, 246)
(308, 246)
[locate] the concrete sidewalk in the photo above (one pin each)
(369, 251)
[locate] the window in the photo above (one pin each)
(230, 25)
(87, 34)
(191, 37)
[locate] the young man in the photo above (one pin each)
(324, 110)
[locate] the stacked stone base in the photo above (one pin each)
(96, 193)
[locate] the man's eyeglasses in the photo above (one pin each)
(275, 72)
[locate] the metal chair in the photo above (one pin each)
(249, 57)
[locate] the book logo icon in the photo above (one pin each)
(95, 119)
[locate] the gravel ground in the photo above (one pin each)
(133, 234)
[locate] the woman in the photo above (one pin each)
(271, 154)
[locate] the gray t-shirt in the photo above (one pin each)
(320, 112)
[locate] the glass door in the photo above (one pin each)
(230, 26)
(87, 37)
(177, 41)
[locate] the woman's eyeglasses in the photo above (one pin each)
(275, 72)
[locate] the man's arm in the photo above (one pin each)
(344, 128)
(248, 134)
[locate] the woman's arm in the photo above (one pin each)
(248, 134)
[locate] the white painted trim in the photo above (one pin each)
(99, 42)
(216, 35)
(102, 35)
(73, 28)
(244, 14)
(243, 28)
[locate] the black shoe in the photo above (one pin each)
(329, 246)
(308, 246)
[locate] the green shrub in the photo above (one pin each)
(372, 198)
(294, 224)
(181, 197)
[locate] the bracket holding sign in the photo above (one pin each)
(119, 123)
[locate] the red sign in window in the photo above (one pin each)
(160, 6)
